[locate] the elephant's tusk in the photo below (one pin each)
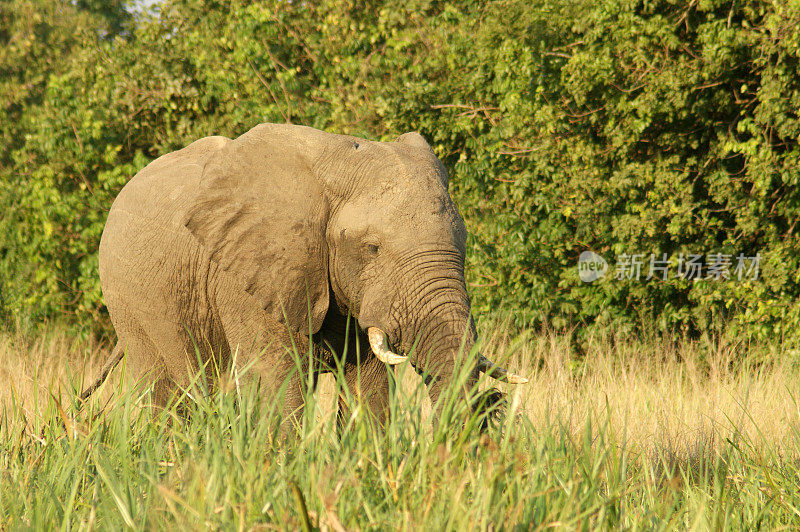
(380, 346)
(499, 373)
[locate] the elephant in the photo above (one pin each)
(287, 237)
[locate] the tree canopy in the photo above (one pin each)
(622, 127)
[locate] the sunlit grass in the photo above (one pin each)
(651, 433)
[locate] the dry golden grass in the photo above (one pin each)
(679, 397)
(633, 433)
(32, 367)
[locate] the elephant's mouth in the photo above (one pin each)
(379, 342)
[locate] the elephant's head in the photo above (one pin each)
(366, 226)
(397, 248)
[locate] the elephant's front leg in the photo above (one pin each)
(369, 385)
(267, 352)
(365, 376)
(283, 384)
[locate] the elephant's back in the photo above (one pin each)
(163, 189)
(144, 227)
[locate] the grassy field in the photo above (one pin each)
(634, 433)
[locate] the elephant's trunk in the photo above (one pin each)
(443, 330)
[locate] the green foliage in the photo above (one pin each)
(615, 126)
(44, 224)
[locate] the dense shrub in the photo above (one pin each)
(621, 127)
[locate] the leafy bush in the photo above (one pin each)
(616, 126)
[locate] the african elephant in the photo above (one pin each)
(269, 242)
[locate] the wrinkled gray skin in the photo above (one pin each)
(227, 245)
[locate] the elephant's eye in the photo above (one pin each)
(372, 249)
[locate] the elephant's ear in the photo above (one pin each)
(412, 138)
(261, 216)
(418, 144)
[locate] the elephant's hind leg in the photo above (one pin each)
(185, 364)
(151, 349)
(139, 356)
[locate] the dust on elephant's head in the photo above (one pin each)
(397, 242)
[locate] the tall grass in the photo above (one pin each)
(632, 433)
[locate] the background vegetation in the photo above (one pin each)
(651, 126)
(618, 126)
